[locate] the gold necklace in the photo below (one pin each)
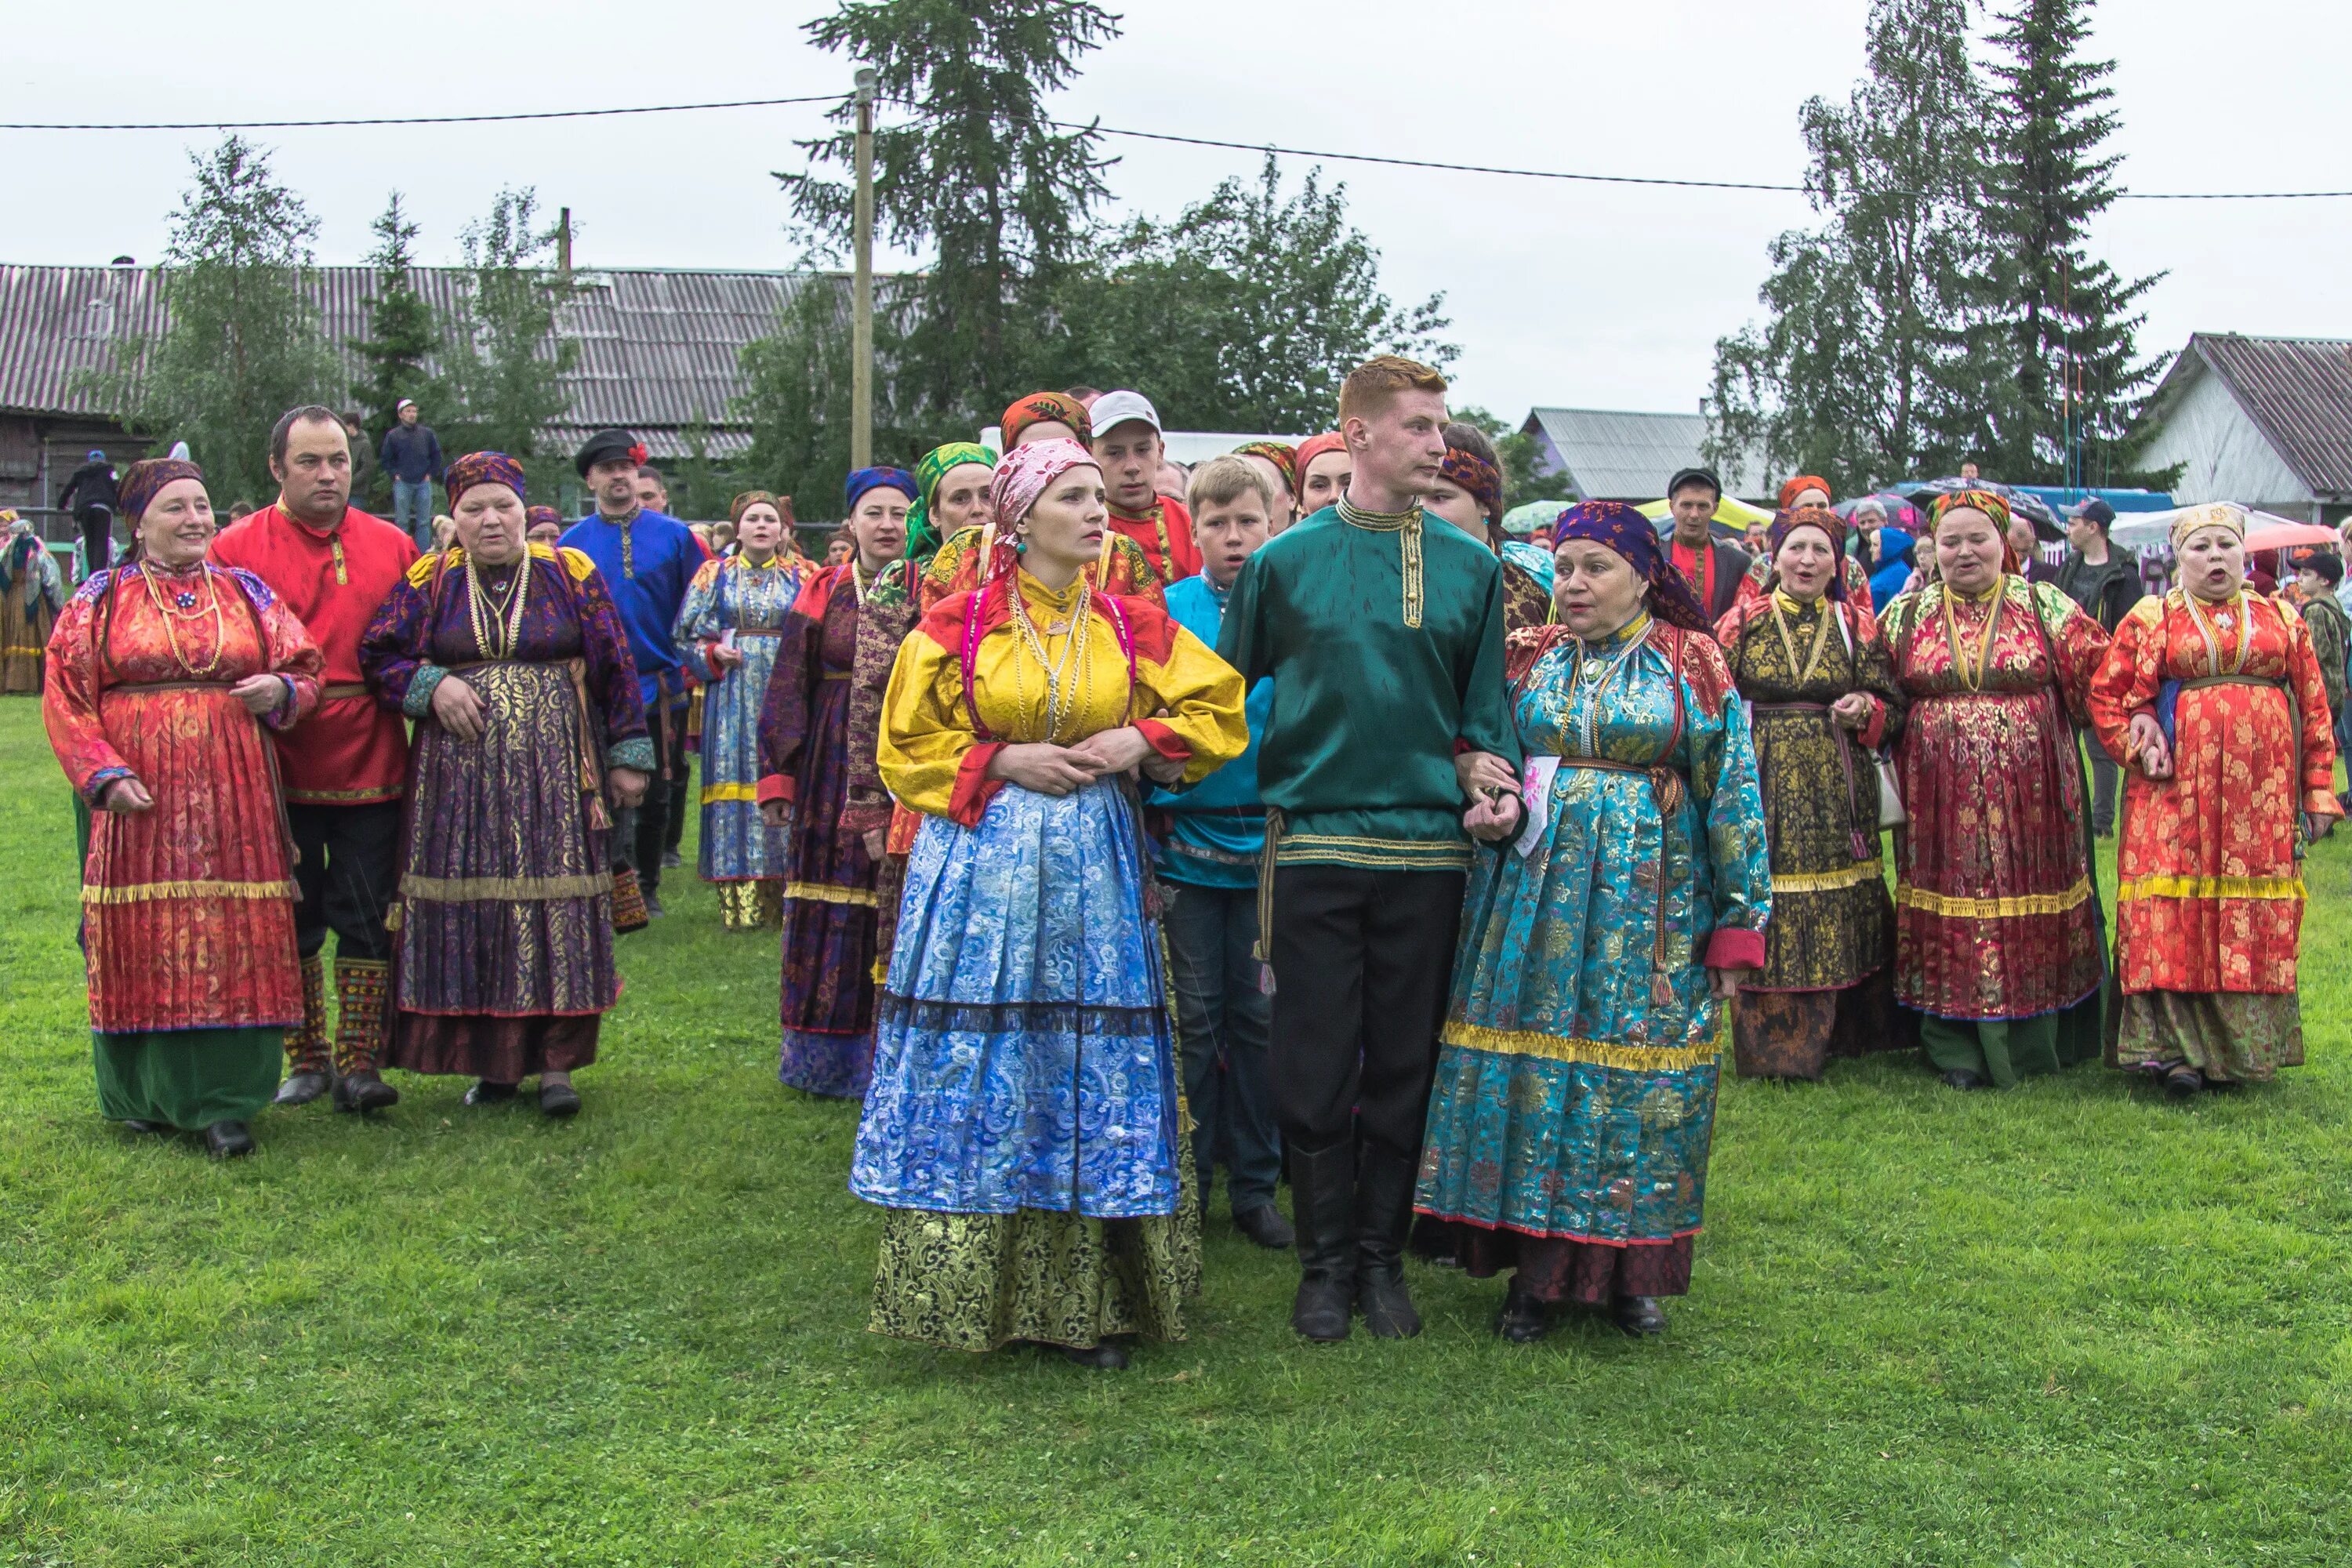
(1061, 701)
(485, 617)
(2212, 643)
(189, 612)
(1804, 671)
(1974, 679)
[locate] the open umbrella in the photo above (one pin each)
(2024, 504)
(2264, 530)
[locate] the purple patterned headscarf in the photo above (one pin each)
(484, 468)
(143, 480)
(1635, 537)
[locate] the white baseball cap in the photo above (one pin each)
(1119, 407)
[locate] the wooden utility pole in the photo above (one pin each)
(861, 329)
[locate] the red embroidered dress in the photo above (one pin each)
(1164, 534)
(1996, 917)
(351, 752)
(189, 906)
(2208, 900)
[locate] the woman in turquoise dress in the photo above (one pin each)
(748, 594)
(1574, 1104)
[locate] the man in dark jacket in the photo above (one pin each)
(90, 496)
(1713, 568)
(2104, 578)
(411, 454)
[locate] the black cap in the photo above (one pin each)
(2098, 511)
(1699, 475)
(606, 444)
(2330, 569)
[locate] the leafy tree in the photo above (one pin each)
(245, 342)
(1247, 311)
(2057, 340)
(796, 394)
(403, 335)
(1859, 372)
(978, 176)
(506, 364)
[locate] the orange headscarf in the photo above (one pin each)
(1800, 485)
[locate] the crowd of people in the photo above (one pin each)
(1307, 822)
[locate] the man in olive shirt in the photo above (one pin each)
(1382, 629)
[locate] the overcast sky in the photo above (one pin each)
(1569, 294)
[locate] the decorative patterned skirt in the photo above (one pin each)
(24, 634)
(827, 994)
(2229, 1036)
(1024, 1117)
(505, 958)
(738, 846)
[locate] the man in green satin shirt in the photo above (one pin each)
(1383, 628)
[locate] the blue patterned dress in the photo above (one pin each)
(1575, 1096)
(740, 851)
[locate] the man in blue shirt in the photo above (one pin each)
(411, 454)
(1209, 867)
(646, 559)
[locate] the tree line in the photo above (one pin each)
(1948, 306)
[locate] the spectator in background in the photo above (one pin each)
(362, 476)
(445, 531)
(1083, 396)
(411, 454)
(2318, 576)
(90, 496)
(1713, 569)
(238, 510)
(2103, 579)
(1324, 467)
(839, 548)
(653, 490)
(1968, 472)
(542, 525)
(2028, 546)
(1172, 480)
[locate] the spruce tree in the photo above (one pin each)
(403, 337)
(2057, 336)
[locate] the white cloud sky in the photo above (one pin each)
(1559, 293)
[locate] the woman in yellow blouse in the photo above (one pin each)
(1021, 1128)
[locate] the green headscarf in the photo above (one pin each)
(922, 540)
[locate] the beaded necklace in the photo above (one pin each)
(187, 610)
(1590, 679)
(2205, 628)
(486, 612)
(1406, 526)
(1970, 674)
(1812, 661)
(1062, 701)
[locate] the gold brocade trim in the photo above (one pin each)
(1853, 875)
(1371, 854)
(713, 794)
(503, 889)
(1597, 1053)
(2210, 887)
(1967, 909)
(1406, 526)
(22, 652)
(345, 797)
(147, 892)
(825, 893)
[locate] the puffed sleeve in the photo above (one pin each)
(612, 684)
(928, 755)
(883, 622)
(1201, 694)
(2128, 677)
(392, 652)
(291, 655)
(784, 713)
(2311, 706)
(698, 628)
(2079, 641)
(69, 693)
(1731, 805)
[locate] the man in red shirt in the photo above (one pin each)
(1712, 568)
(1127, 448)
(344, 768)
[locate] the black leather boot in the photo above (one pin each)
(1525, 1317)
(1323, 1207)
(1383, 1219)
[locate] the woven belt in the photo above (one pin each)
(339, 690)
(170, 686)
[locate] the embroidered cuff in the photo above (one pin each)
(2322, 802)
(95, 791)
(288, 703)
(1872, 734)
(421, 687)
(859, 816)
(1733, 948)
(777, 787)
(637, 753)
(973, 788)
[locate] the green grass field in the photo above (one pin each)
(2070, 1324)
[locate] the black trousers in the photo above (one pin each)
(97, 536)
(1362, 961)
(348, 875)
(639, 835)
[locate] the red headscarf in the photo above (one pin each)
(1039, 407)
(1832, 528)
(1800, 485)
(1993, 506)
(1311, 448)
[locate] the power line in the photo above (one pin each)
(1506, 171)
(428, 119)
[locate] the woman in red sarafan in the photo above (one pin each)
(1997, 927)
(161, 673)
(2215, 694)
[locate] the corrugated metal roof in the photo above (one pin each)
(2298, 393)
(657, 349)
(1615, 455)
